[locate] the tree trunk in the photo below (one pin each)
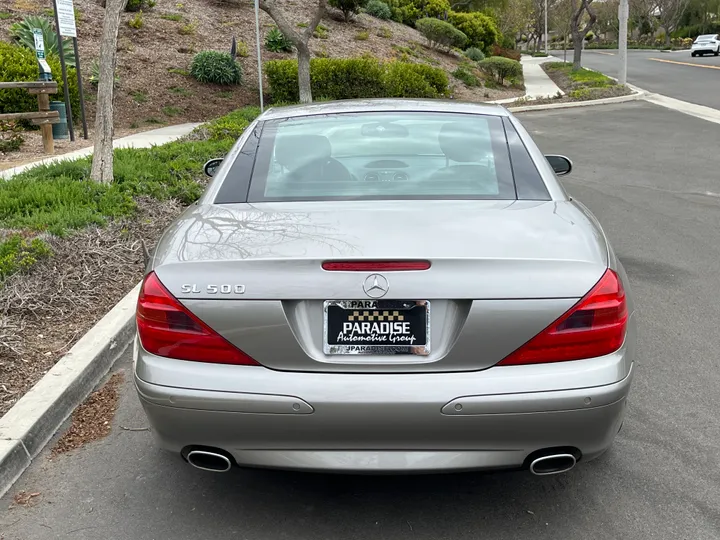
(578, 34)
(577, 51)
(300, 41)
(303, 52)
(102, 163)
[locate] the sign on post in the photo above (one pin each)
(39, 43)
(66, 18)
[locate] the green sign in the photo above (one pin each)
(39, 43)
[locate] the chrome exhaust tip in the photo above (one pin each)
(552, 464)
(209, 461)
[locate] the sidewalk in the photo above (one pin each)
(537, 84)
(145, 139)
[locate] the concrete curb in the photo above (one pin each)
(28, 426)
(636, 95)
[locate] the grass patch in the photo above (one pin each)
(385, 32)
(584, 77)
(178, 71)
(154, 121)
(4, 15)
(176, 17)
(139, 96)
(228, 127)
(363, 35)
(171, 111)
(58, 198)
(180, 91)
(61, 197)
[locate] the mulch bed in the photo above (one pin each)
(43, 314)
(92, 420)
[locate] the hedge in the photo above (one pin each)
(19, 64)
(353, 78)
(441, 34)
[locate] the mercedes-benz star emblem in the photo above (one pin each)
(376, 286)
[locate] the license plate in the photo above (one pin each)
(380, 327)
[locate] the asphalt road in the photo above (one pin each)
(674, 74)
(644, 171)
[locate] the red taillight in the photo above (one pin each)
(167, 328)
(375, 266)
(593, 327)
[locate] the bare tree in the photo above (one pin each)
(102, 163)
(299, 40)
(670, 13)
(580, 26)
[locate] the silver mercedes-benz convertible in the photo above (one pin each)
(385, 286)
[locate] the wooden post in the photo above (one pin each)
(47, 136)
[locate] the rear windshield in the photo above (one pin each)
(365, 156)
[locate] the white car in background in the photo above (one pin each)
(708, 43)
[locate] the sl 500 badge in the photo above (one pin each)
(213, 289)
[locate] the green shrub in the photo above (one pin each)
(188, 29)
(230, 126)
(22, 32)
(350, 78)
(475, 54)
(501, 69)
(409, 11)
(437, 78)
(440, 34)
(349, 8)
(507, 42)
(379, 9)
(19, 64)
(321, 32)
(137, 21)
(215, 67)
(363, 35)
(480, 29)
(140, 5)
(94, 78)
(385, 32)
(11, 138)
(464, 75)
(275, 41)
(18, 254)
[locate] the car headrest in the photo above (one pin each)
(296, 151)
(464, 143)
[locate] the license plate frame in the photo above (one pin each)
(379, 308)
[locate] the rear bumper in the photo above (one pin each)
(385, 423)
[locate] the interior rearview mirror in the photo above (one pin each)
(560, 164)
(212, 166)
